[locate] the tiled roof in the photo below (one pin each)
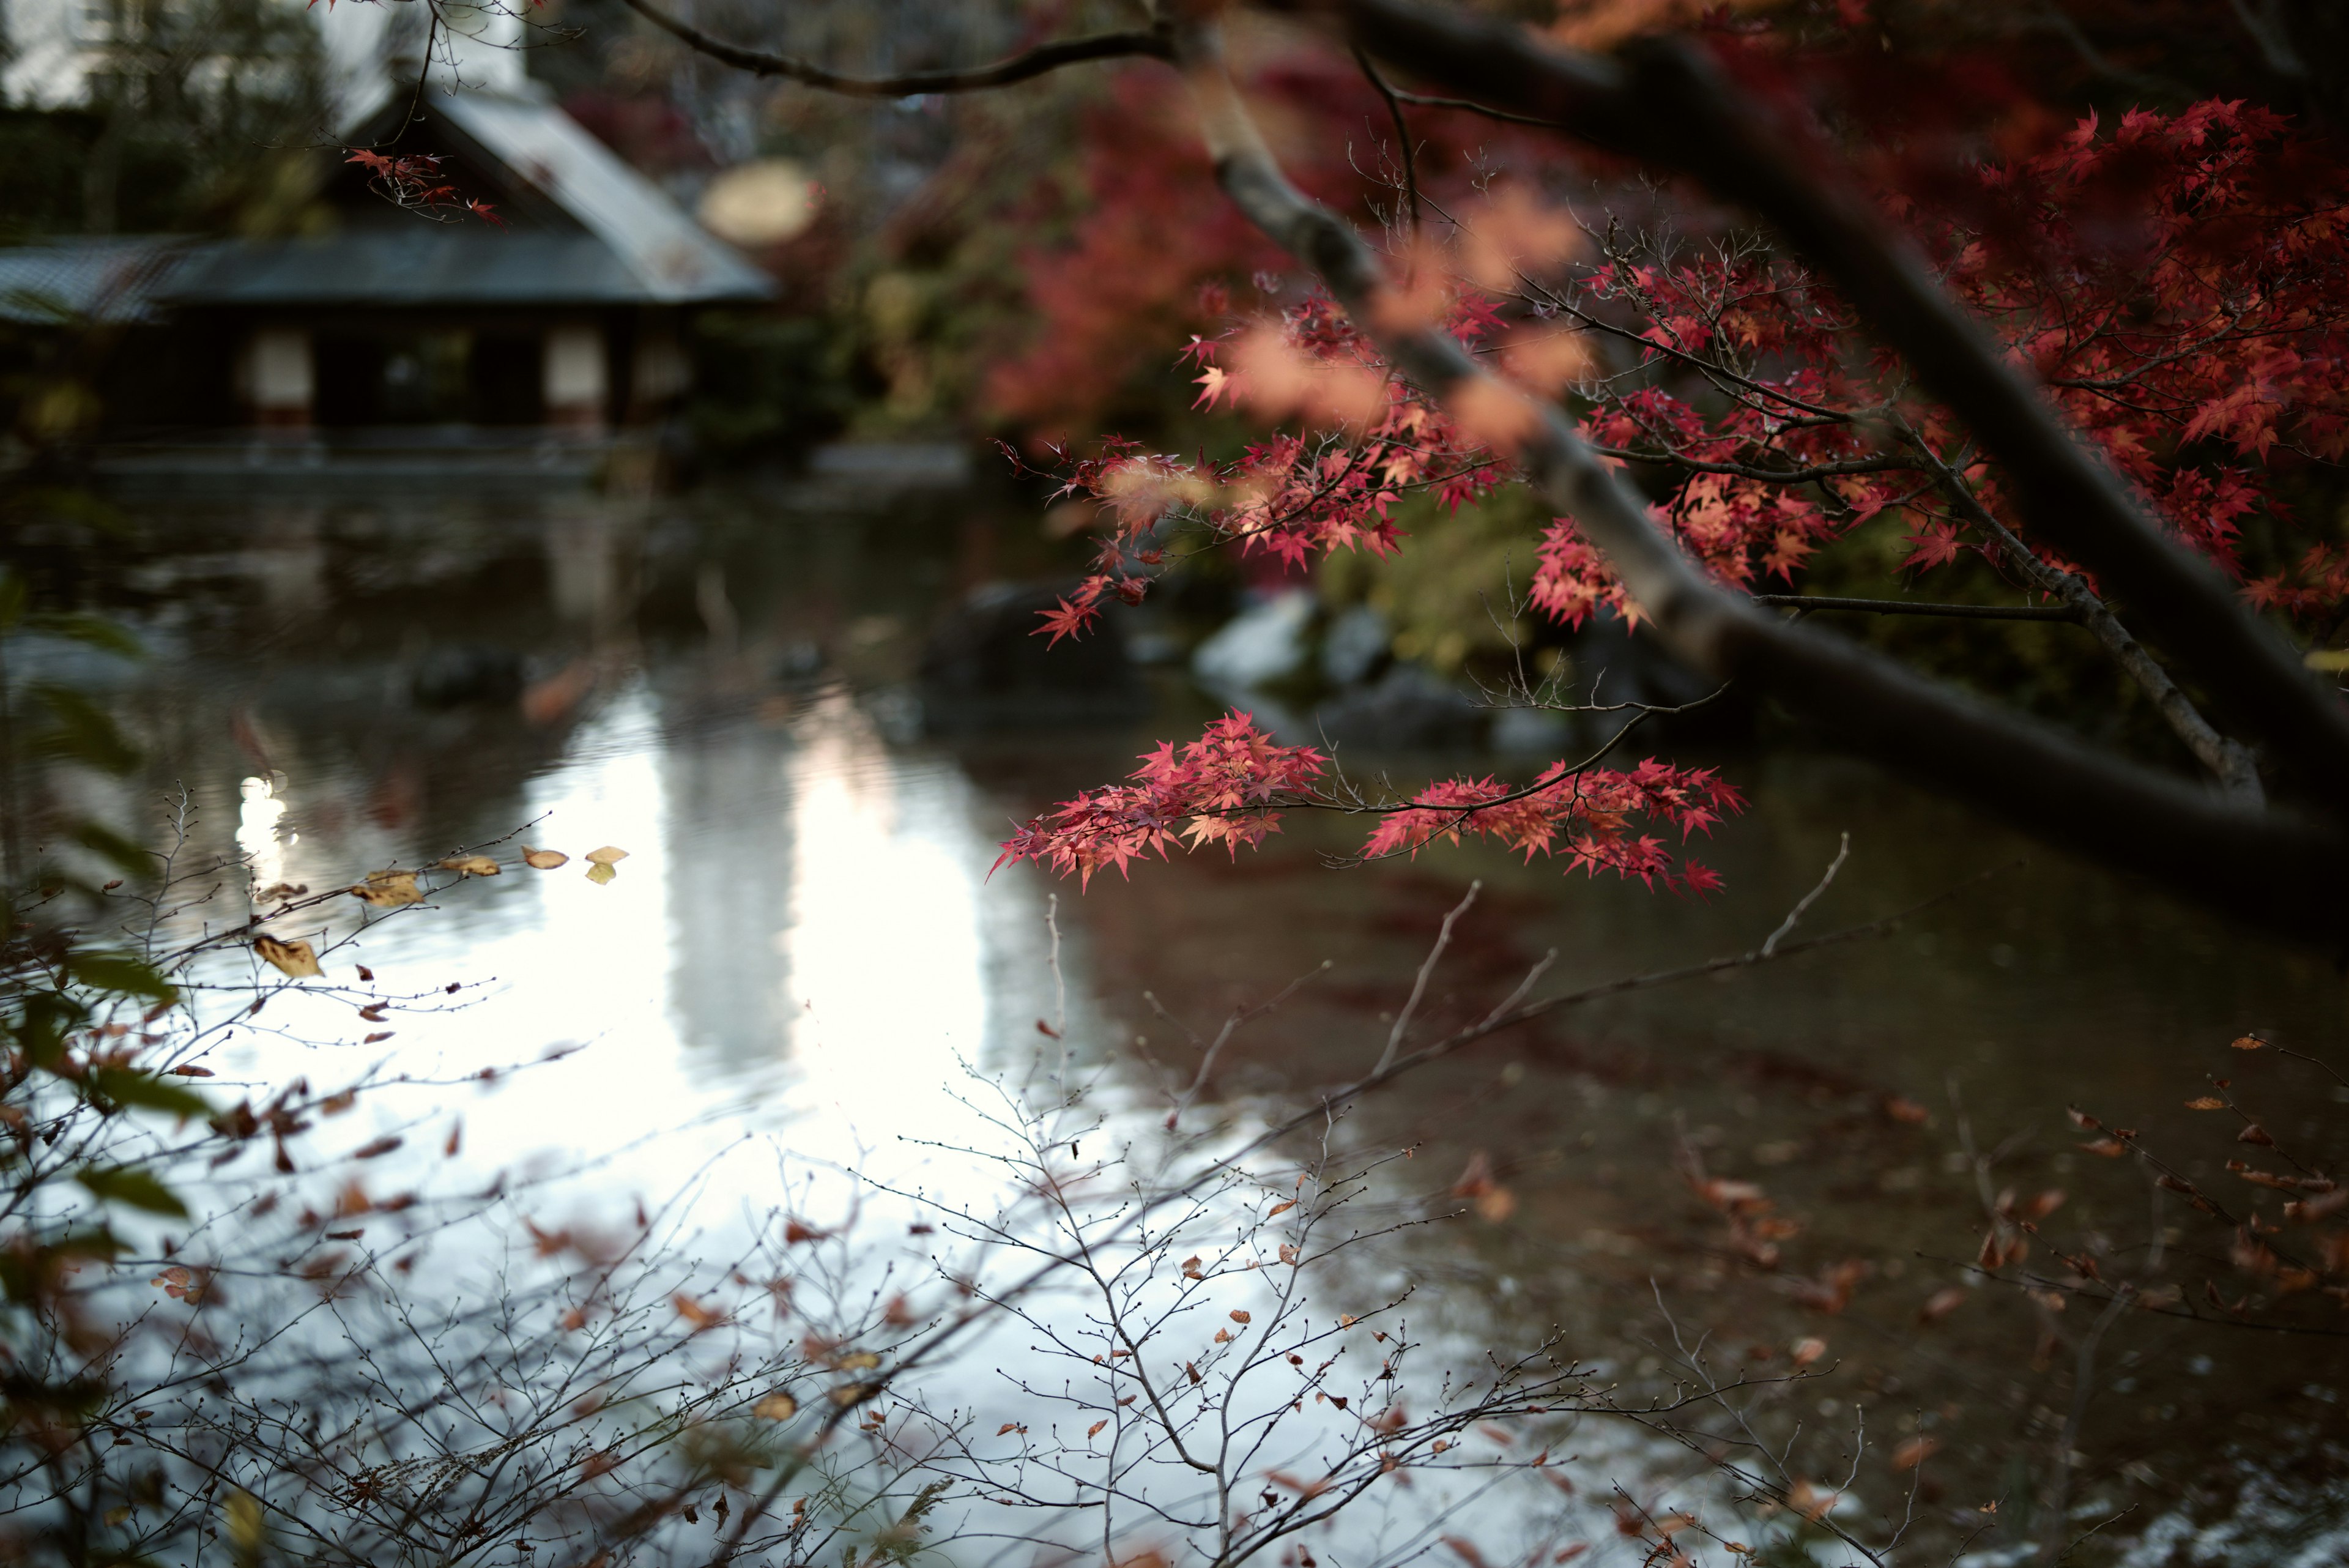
(115, 279)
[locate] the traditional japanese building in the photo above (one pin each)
(542, 293)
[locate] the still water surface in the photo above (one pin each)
(805, 951)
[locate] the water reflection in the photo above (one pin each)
(804, 948)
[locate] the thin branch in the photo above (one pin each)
(1403, 139)
(1913, 606)
(1019, 67)
(1419, 985)
(1770, 948)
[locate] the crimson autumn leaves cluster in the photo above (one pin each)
(2174, 280)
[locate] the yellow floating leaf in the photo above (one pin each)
(471, 865)
(293, 959)
(600, 873)
(776, 1406)
(607, 856)
(544, 859)
(388, 889)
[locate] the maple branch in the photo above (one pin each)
(1914, 606)
(2268, 867)
(1668, 105)
(1403, 139)
(2230, 762)
(1019, 67)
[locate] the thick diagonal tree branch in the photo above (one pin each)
(1669, 106)
(2267, 866)
(1019, 67)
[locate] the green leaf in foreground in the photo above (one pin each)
(144, 1090)
(133, 1187)
(122, 973)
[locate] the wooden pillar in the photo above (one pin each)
(574, 379)
(278, 379)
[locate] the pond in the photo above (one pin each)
(805, 950)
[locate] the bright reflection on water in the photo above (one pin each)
(803, 955)
(796, 944)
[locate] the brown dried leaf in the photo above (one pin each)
(2249, 1043)
(1807, 1351)
(295, 959)
(544, 859)
(1941, 1305)
(2207, 1103)
(388, 889)
(471, 866)
(1239, 1317)
(1280, 1208)
(776, 1406)
(1915, 1452)
(610, 854)
(1094, 1430)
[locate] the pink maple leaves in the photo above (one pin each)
(1590, 816)
(1231, 785)
(1221, 788)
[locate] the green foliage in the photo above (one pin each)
(203, 119)
(133, 1187)
(1443, 594)
(766, 386)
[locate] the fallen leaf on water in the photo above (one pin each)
(295, 959)
(776, 1406)
(544, 859)
(471, 866)
(600, 873)
(610, 854)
